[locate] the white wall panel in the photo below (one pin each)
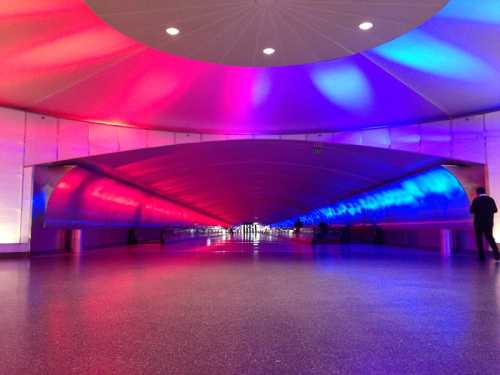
(469, 148)
(492, 122)
(157, 138)
(406, 138)
(212, 137)
(320, 137)
(235, 137)
(132, 139)
(73, 139)
(12, 133)
(267, 136)
(352, 138)
(181, 138)
(376, 138)
(294, 137)
(436, 138)
(468, 139)
(103, 139)
(27, 205)
(471, 124)
(41, 139)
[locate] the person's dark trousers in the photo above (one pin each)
(486, 231)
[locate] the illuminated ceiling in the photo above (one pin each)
(259, 180)
(58, 57)
(236, 32)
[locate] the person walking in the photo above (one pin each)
(484, 208)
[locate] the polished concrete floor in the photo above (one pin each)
(249, 307)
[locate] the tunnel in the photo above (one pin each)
(249, 187)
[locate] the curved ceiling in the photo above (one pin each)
(237, 32)
(58, 57)
(259, 180)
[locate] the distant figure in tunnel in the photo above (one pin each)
(298, 226)
(484, 208)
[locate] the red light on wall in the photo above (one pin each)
(85, 198)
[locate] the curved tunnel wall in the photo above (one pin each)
(83, 198)
(435, 195)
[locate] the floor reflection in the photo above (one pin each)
(249, 304)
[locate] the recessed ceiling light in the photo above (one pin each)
(268, 51)
(172, 31)
(365, 26)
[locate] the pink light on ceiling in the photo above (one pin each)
(243, 92)
(67, 50)
(53, 46)
(57, 57)
(153, 86)
(236, 100)
(36, 7)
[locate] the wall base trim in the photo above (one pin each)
(10, 249)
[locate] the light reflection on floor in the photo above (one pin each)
(250, 305)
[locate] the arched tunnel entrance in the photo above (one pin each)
(273, 182)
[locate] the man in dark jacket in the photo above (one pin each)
(484, 208)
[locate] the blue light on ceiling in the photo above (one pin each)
(430, 196)
(344, 85)
(421, 51)
(486, 11)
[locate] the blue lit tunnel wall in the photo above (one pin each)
(434, 195)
